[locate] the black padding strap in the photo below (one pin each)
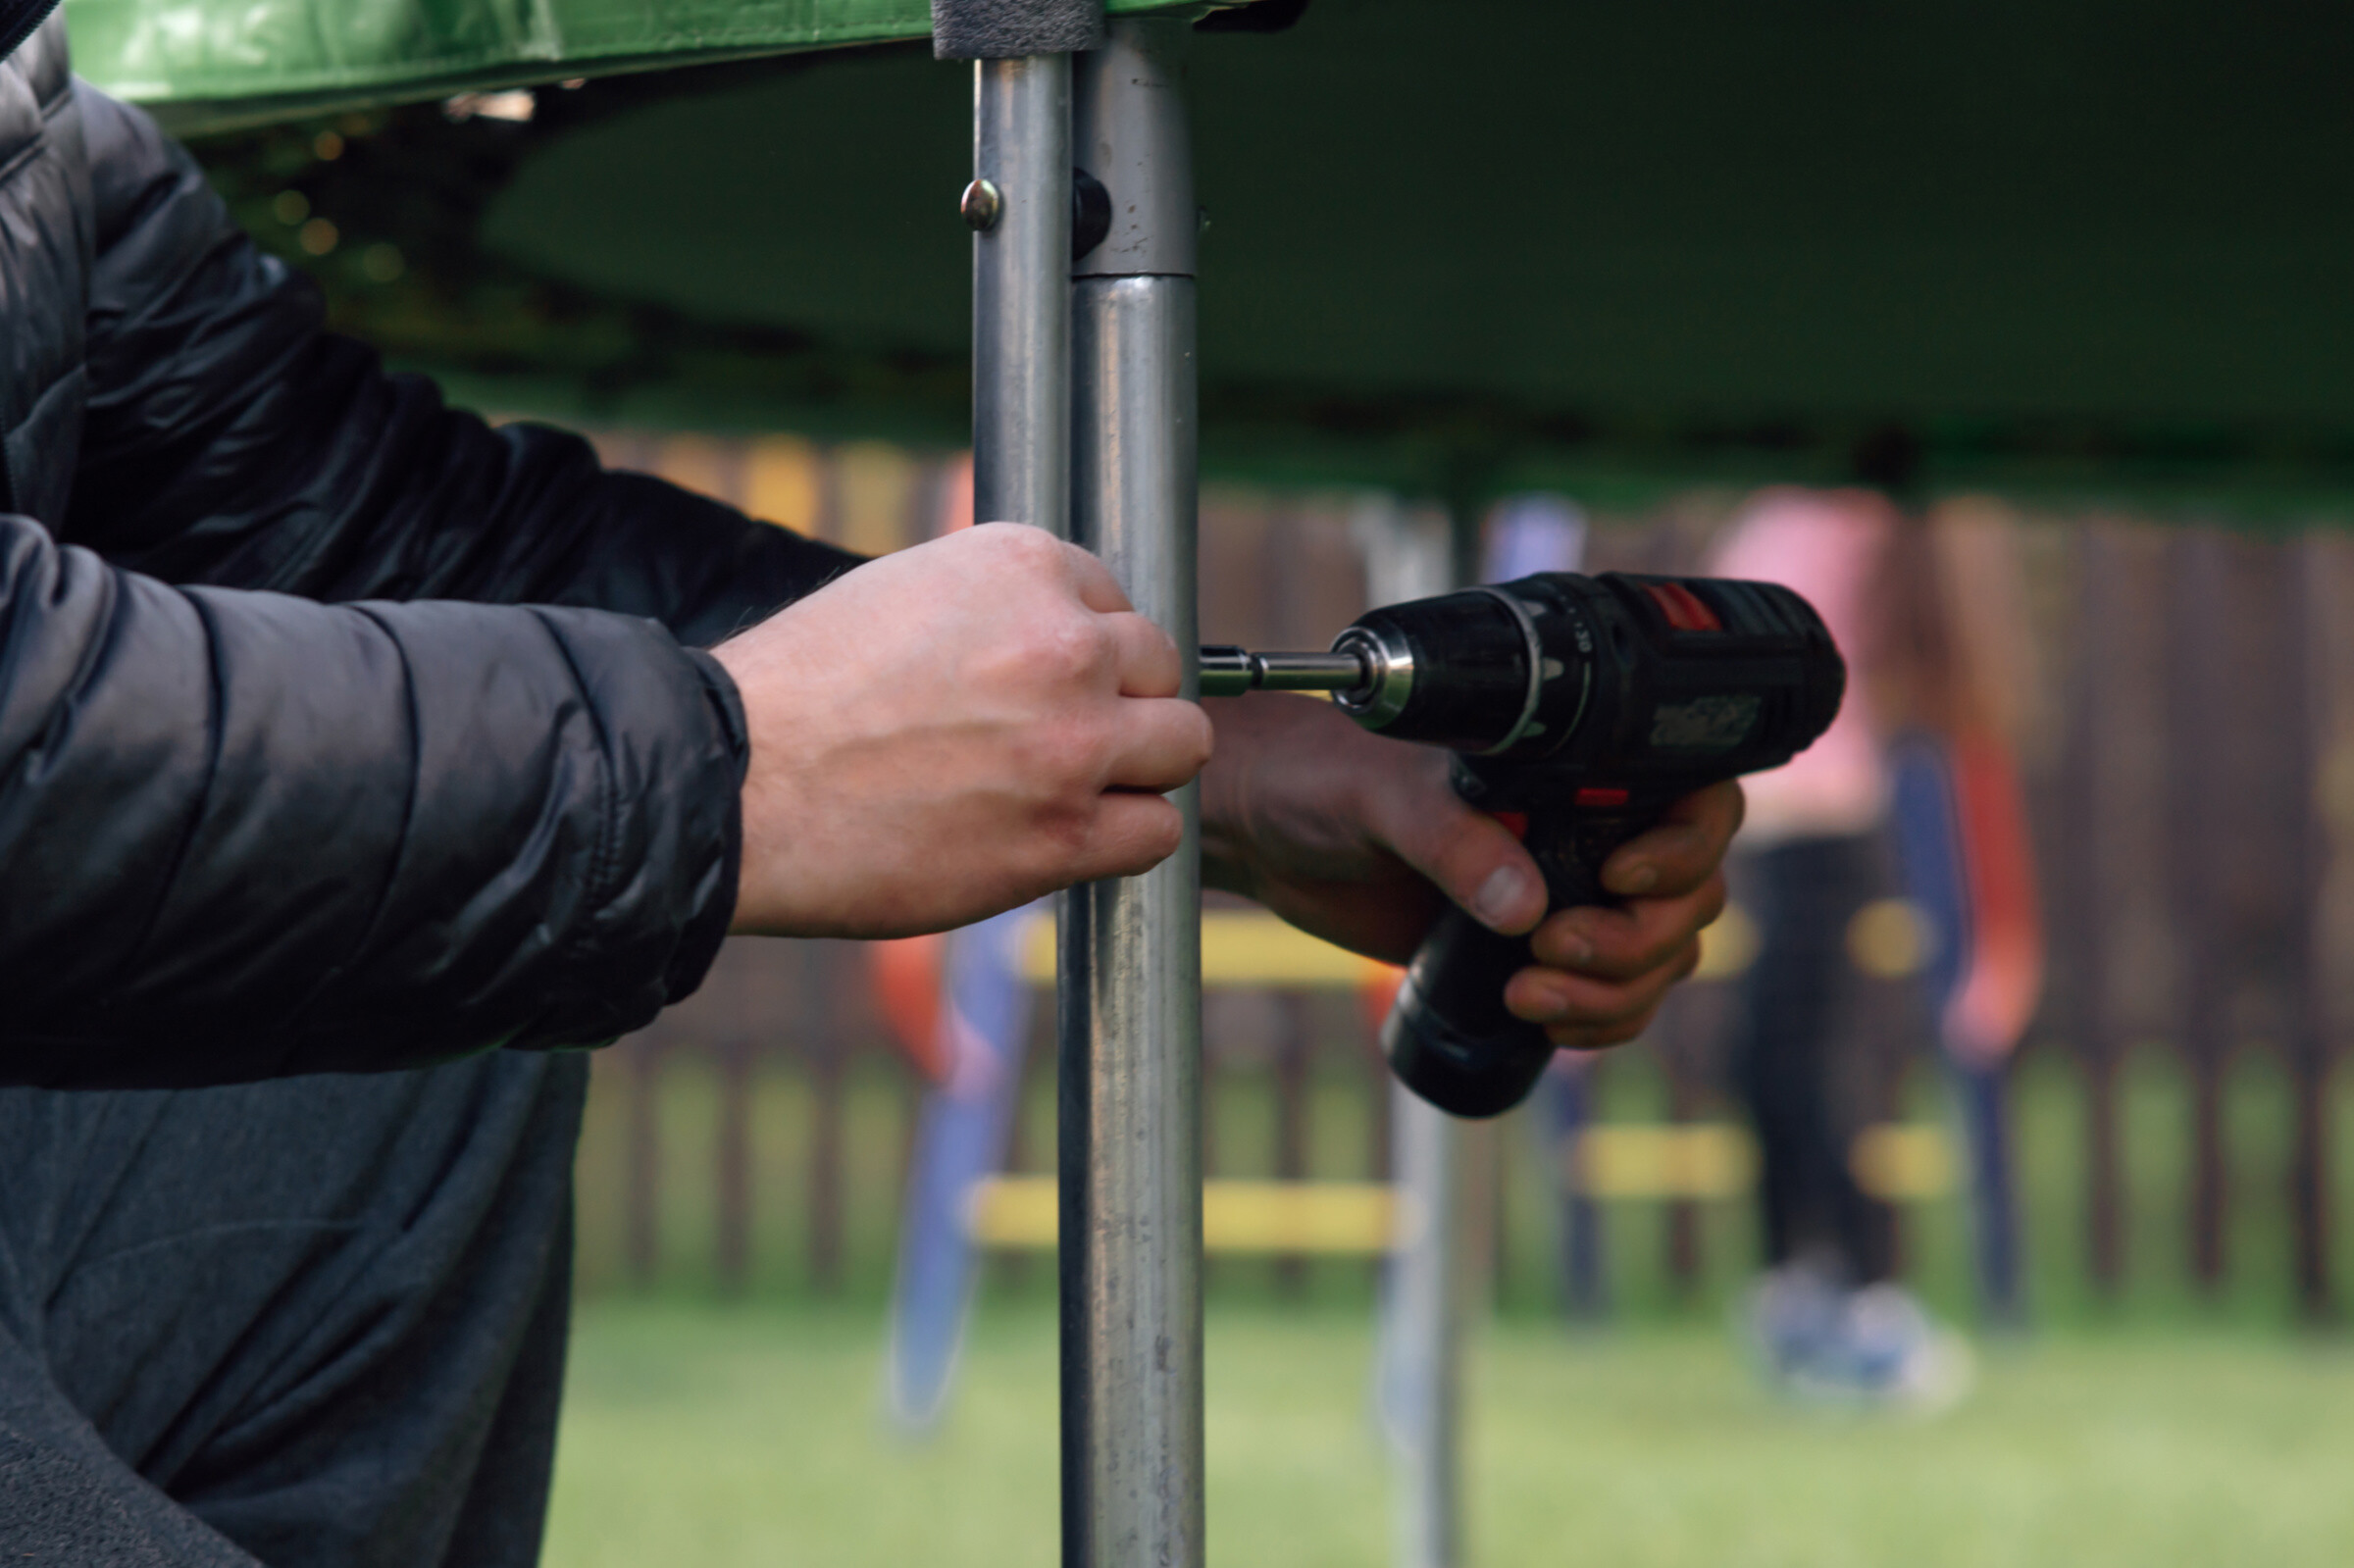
(1008, 30)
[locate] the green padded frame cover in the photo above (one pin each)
(219, 61)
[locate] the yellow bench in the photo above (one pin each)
(1702, 1161)
(1353, 1219)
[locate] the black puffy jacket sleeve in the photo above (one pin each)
(249, 833)
(231, 440)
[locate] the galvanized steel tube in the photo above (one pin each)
(1423, 1353)
(1130, 1083)
(1424, 1311)
(1020, 209)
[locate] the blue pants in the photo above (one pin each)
(317, 1322)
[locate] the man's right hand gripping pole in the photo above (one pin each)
(952, 731)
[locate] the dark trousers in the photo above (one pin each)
(1799, 1058)
(317, 1322)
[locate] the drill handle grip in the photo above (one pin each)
(1570, 846)
(1449, 1037)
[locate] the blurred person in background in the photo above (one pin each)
(1826, 1319)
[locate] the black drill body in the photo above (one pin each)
(1583, 707)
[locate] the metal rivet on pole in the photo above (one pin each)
(1131, 963)
(981, 204)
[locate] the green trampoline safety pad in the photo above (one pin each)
(1505, 239)
(272, 57)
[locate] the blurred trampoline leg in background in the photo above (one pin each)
(1528, 533)
(1418, 1359)
(979, 1031)
(1564, 1110)
(1418, 1344)
(1420, 1348)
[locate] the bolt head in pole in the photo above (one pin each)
(981, 205)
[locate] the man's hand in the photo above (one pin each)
(1344, 834)
(951, 730)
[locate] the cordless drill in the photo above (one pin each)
(1579, 709)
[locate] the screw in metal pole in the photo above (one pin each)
(1130, 1135)
(979, 205)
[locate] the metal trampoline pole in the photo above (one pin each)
(1020, 206)
(1130, 1081)
(1423, 1307)
(1427, 1320)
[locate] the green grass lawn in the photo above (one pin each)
(702, 1437)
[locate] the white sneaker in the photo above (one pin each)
(1874, 1347)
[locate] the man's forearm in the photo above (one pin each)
(254, 835)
